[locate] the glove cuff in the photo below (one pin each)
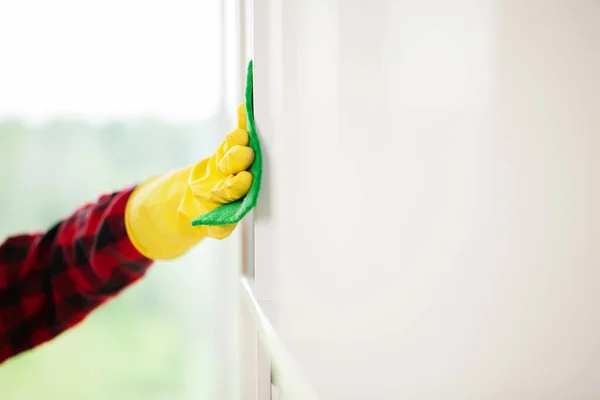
(159, 213)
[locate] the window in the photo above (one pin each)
(95, 96)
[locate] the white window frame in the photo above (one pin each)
(247, 370)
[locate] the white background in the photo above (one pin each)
(428, 228)
(109, 59)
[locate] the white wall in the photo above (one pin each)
(429, 223)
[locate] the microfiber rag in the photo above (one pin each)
(233, 213)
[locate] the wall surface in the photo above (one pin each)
(429, 222)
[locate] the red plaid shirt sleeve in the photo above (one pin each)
(51, 281)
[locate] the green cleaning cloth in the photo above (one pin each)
(233, 213)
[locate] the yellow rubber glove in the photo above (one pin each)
(159, 212)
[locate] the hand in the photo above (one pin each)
(160, 211)
(223, 178)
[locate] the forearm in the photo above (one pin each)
(51, 281)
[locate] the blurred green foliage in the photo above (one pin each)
(144, 344)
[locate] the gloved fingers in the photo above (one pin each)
(232, 188)
(237, 137)
(237, 159)
(241, 111)
(220, 232)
